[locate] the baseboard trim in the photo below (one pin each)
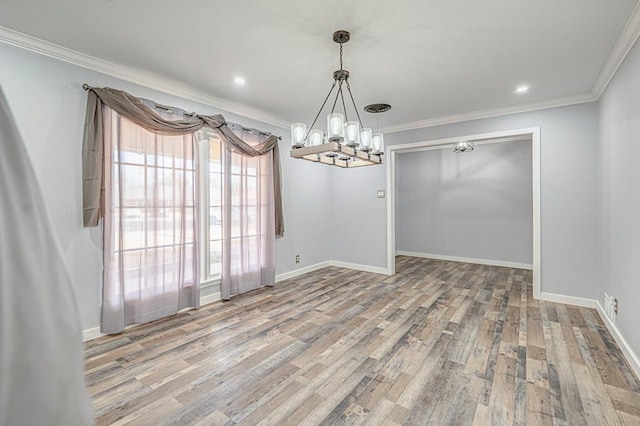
(94, 333)
(91, 333)
(629, 354)
(568, 300)
(358, 267)
(301, 271)
(466, 260)
(210, 298)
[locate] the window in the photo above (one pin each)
(243, 180)
(156, 201)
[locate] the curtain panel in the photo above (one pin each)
(133, 109)
(248, 246)
(150, 226)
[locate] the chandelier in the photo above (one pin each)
(345, 143)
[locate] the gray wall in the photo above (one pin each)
(568, 196)
(619, 196)
(49, 106)
(474, 205)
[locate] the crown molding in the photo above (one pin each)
(142, 78)
(492, 112)
(620, 50)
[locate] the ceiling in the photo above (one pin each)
(427, 58)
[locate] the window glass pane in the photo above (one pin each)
(160, 227)
(215, 224)
(133, 185)
(251, 190)
(132, 260)
(132, 149)
(132, 227)
(184, 183)
(215, 189)
(215, 257)
(160, 187)
(161, 150)
(252, 222)
(215, 155)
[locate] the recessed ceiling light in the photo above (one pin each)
(239, 80)
(522, 89)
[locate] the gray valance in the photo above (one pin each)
(135, 110)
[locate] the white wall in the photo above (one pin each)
(619, 196)
(49, 106)
(476, 205)
(568, 195)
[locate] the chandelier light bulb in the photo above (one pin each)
(335, 122)
(353, 134)
(298, 132)
(315, 137)
(365, 139)
(378, 143)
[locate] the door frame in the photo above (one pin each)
(502, 136)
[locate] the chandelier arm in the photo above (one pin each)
(344, 107)
(335, 101)
(354, 104)
(320, 111)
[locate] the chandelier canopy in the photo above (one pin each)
(464, 146)
(344, 143)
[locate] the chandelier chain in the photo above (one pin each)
(340, 56)
(321, 108)
(335, 101)
(344, 106)
(354, 104)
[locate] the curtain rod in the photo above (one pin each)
(85, 86)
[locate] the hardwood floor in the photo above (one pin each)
(437, 343)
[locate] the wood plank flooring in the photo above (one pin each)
(437, 343)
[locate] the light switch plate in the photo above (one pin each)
(380, 193)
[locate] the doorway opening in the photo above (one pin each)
(517, 136)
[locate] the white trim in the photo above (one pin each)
(568, 300)
(620, 50)
(142, 78)
(358, 267)
(490, 262)
(94, 333)
(210, 298)
(301, 271)
(391, 210)
(537, 218)
(492, 112)
(91, 333)
(631, 357)
(533, 132)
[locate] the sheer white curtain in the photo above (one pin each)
(248, 220)
(150, 224)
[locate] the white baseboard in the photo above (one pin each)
(466, 260)
(357, 267)
(210, 298)
(568, 300)
(94, 333)
(91, 333)
(628, 353)
(301, 271)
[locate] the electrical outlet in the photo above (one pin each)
(380, 193)
(610, 307)
(297, 258)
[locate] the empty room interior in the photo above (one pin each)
(305, 213)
